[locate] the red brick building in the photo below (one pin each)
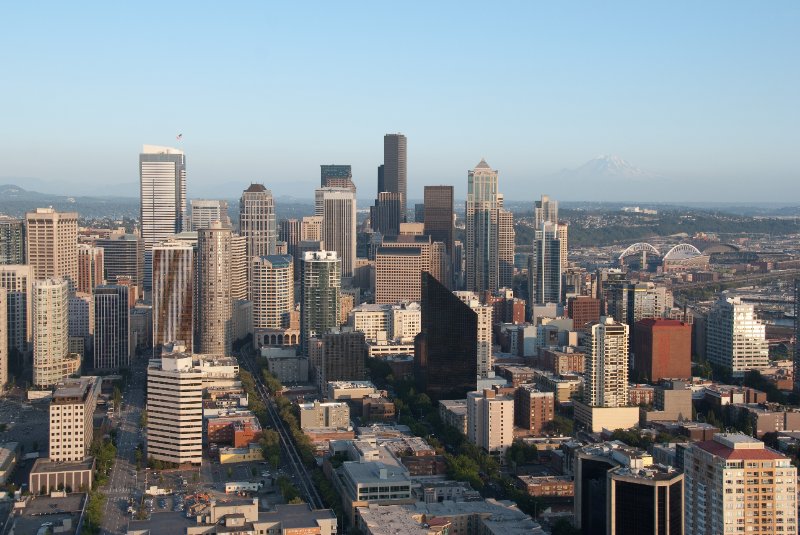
(583, 309)
(561, 363)
(533, 409)
(662, 349)
(235, 431)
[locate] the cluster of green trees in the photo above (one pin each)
(94, 513)
(104, 452)
(270, 443)
(288, 490)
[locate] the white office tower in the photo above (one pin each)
(484, 334)
(204, 212)
(72, 417)
(735, 339)
(173, 294)
(112, 327)
(257, 220)
(162, 176)
(607, 365)
(273, 291)
(18, 281)
(215, 300)
(3, 338)
(337, 207)
(175, 410)
(490, 420)
(51, 359)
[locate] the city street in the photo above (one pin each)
(124, 482)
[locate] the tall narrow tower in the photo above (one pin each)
(257, 220)
(544, 266)
(215, 300)
(482, 239)
(319, 295)
(162, 175)
(173, 294)
(395, 169)
(337, 207)
(52, 241)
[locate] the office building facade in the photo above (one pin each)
(123, 258)
(395, 169)
(545, 266)
(662, 349)
(257, 220)
(72, 418)
(17, 280)
(607, 365)
(320, 286)
(50, 309)
(111, 327)
(214, 280)
(439, 213)
(173, 294)
(52, 244)
(205, 211)
(384, 216)
(735, 338)
(337, 207)
(490, 420)
(482, 240)
(273, 291)
(12, 241)
(91, 268)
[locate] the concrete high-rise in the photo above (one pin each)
(17, 280)
(12, 241)
(734, 484)
(111, 328)
(483, 331)
(175, 410)
(505, 248)
(320, 284)
(630, 302)
(214, 298)
(384, 217)
(336, 176)
(72, 419)
(273, 291)
(50, 309)
(91, 268)
(257, 220)
(482, 239)
(545, 210)
(4, 338)
(395, 171)
(173, 294)
(607, 365)
(446, 349)
(340, 356)
(162, 176)
(337, 207)
(797, 334)
(239, 268)
(290, 231)
(122, 257)
(735, 338)
(439, 215)
(397, 274)
(52, 242)
(490, 420)
(204, 212)
(545, 266)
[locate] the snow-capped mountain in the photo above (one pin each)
(608, 167)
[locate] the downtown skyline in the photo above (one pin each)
(698, 95)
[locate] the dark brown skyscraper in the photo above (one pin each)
(446, 349)
(394, 168)
(439, 215)
(385, 215)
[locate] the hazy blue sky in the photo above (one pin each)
(706, 93)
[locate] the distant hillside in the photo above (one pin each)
(15, 201)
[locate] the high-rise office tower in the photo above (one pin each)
(381, 180)
(482, 212)
(214, 301)
(111, 328)
(162, 175)
(735, 338)
(505, 248)
(734, 484)
(52, 242)
(336, 176)
(257, 220)
(17, 280)
(290, 231)
(81, 323)
(439, 215)
(122, 257)
(490, 420)
(395, 170)
(175, 410)
(483, 331)
(630, 302)
(446, 349)
(545, 211)
(544, 266)
(4, 348)
(204, 212)
(91, 268)
(419, 213)
(320, 284)
(273, 291)
(337, 207)
(173, 294)
(397, 274)
(12, 241)
(563, 236)
(311, 228)
(50, 309)
(607, 365)
(384, 217)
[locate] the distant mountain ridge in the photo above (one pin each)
(608, 167)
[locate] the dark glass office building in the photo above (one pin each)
(446, 349)
(385, 216)
(394, 168)
(438, 216)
